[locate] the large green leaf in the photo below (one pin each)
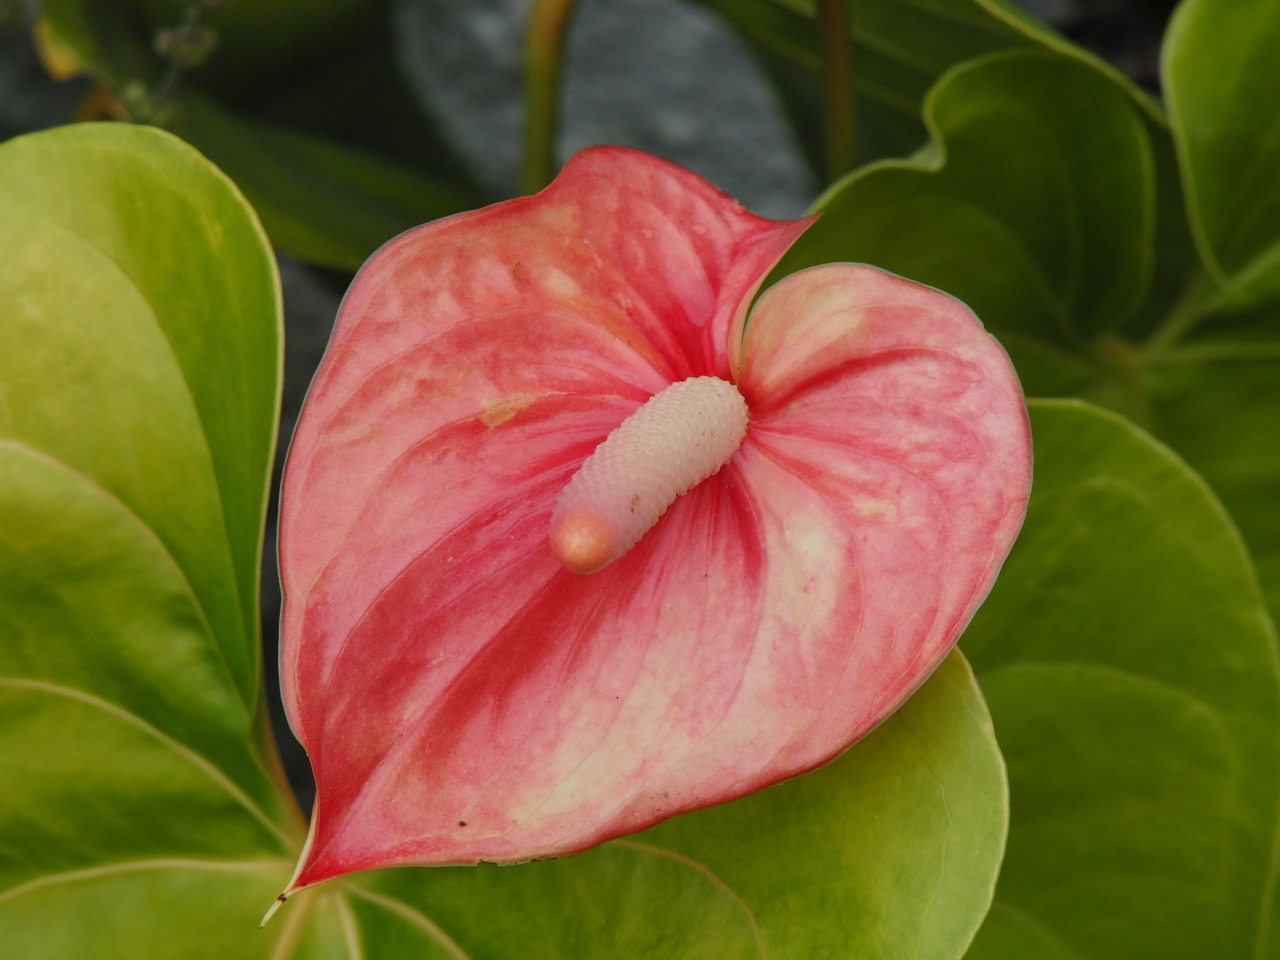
(1034, 204)
(139, 388)
(1132, 674)
(1212, 364)
(145, 270)
(890, 851)
(1216, 399)
(1220, 78)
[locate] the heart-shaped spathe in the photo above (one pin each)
(465, 698)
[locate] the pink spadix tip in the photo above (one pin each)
(677, 439)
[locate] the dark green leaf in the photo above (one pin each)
(1034, 204)
(1220, 77)
(1052, 206)
(1132, 674)
(1216, 399)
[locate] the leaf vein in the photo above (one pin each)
(196, 760)
(707, 872)
(415, 917)
(122, 867)
(126, 511)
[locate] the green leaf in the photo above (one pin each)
(1132, 675)
(1034, 204)
(1215, 398)
(890, 851)
(139, 389)
(166, 276)
(1219, 71)
(1175, 256)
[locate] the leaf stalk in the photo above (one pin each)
(839, 106)
(544, 49)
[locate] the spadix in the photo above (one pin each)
(676, 440)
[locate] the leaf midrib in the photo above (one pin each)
(141, 865)
(196, 760)
(148, 533)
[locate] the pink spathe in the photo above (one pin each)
(465, 697)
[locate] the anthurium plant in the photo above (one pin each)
(892, 579)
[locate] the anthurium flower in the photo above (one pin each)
(573, 538)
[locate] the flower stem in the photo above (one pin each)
(544, 45)
(839, 108)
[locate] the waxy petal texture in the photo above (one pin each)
(462, 696)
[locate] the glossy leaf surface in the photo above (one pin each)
(139, 357)
(1219, 69)
(1218, 359)
(1136, 696)
(1216, 399)
(1034, 204)
(463, 697)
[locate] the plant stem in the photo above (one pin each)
(544, 45)
(1199, 298)
(839, 108)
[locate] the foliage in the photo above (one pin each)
(1124, 248)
